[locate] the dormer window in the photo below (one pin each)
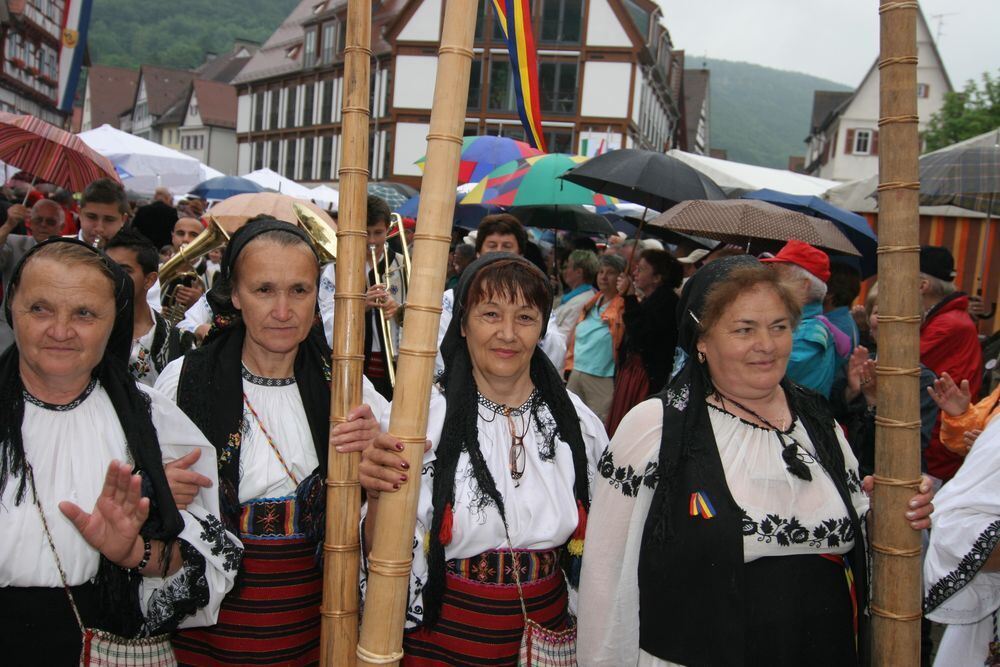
(319, 7)
(292, 52)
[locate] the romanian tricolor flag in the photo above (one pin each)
(700, 505)
(515, 19)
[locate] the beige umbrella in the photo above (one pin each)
(742, 221)
(235, 211)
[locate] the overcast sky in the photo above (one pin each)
(833, 39)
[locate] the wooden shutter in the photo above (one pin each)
(873, 149)
(849, 145)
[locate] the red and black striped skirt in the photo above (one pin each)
(481, 622)
(272, 616)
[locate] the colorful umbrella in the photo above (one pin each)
(481, 155)
(51, 154)
(534, 181)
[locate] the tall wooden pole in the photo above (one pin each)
(391, 555)
(896, 587)
(342, 547)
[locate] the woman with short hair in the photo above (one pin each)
(727, 526)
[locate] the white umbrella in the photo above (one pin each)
(737, 178)
(327, 197)
(144, 165)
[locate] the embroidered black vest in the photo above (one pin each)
(691, 583)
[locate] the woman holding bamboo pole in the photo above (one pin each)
(727, 526)
(506, 477)
(260, 392)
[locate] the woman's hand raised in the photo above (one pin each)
(951, 398)
(120, 511)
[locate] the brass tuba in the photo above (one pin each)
(174, 275)
(324, 239)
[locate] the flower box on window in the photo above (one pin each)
(17, 62)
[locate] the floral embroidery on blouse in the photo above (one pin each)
(967, 569)
(790, 531)
(625, 478)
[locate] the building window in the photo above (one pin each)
(328, 46)
(307, 159)
(326, 111)
(561, 20)
(273, 161)
(557, 87)
(309, 99)
(862, 142)
(193, 109)
(258, 155)
(640, 16)
(290, 109)
(275, 109)
(475, 100)
(309, 53)
(484, 6)
(290, 159)
(923, 90)
(258, 112)
(558, 140)
(326, 159)
(501, 93)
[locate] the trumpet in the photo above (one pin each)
(396, 227)
(323, 238)
(389, 350)
(174, 273)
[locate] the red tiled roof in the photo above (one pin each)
(112, 92)
(216, 103)
(164, 86)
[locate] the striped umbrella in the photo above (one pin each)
(50, 154)
(534, 181)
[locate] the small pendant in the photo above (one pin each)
(993, 656)
(517, 459)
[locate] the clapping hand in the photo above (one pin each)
(861, 377)
(120, 511)
(951, 398)
(184, 483)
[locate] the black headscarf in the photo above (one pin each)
(210, 390)
(461, 431)
(688, 449)
(132, 408)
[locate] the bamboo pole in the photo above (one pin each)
(896, 587)
(391, 555)
(342, 546)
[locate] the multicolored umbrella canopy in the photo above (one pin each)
(534, 181)
(50, 154)
(481, 155)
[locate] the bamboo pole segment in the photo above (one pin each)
(391, 555)
(896, 588)
(342, 545)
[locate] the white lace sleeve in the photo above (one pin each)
(609, 587)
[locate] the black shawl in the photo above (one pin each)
(119, 588)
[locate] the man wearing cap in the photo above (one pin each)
(949, 343)
(814, 358)
(692, 262)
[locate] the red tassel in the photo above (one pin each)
(444, 536)
(581, 522)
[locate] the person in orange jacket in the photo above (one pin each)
(961, 421)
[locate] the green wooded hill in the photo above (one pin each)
(760, 115)
(127, 33)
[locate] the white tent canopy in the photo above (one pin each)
(272, 180)
(739, 178)
(144, 165)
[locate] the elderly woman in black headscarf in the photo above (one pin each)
(506, 476)
(727, 526)
(80, 526)
(260, 391)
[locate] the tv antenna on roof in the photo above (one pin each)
(940, 24)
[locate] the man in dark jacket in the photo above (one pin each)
(949, 342)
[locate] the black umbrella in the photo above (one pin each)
(654, 180)
(569, 218)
